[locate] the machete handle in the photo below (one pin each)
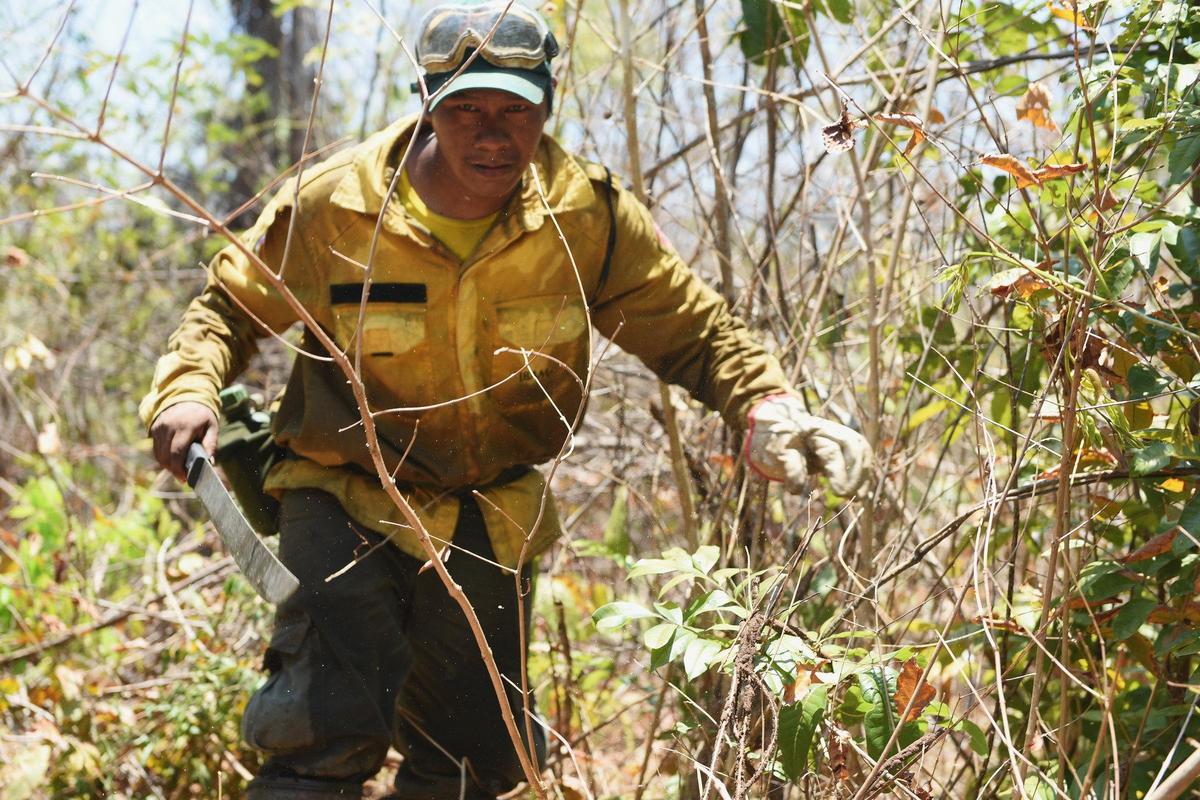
(191, 463)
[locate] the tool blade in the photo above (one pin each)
(266, 573)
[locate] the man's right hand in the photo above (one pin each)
(174, 430)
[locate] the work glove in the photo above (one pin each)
(784, 442)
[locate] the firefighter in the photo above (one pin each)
(496, 256)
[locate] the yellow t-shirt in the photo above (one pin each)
(462, 236)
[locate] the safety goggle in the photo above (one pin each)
(506, 34)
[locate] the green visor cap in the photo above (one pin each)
(529, 84)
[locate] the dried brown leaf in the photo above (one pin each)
(907, 689)
(1185, 612)
(1016, 283)
(1013, 166)
(910, 121)
(1107, 201)
(839, 748)
(1049, 173)
(15, 257)
(1154, 547)
(839, 137)
(1034, 106)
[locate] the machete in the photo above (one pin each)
(266, 573)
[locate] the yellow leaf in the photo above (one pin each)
(1172, 485)
(1068, 12)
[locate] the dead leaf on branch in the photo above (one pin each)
(1156, 546)
(839, 137)
(1017, 282)
(1034, 106)
(1052, 171)
(1028, 177)
(908, 690)
(839, 748)
(910, 121)
(1013, 166)
(15, 257)
(1105, 201)
(1185, 612)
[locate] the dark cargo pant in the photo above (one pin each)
(382, 655)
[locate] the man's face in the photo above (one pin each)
(486, 138)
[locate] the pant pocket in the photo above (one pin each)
(279, 717)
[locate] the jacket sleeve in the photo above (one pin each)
(656, 308)
(219, 332)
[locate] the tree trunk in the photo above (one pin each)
(274, 130)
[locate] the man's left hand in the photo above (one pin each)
(784, 441)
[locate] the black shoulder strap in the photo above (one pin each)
(609, 190)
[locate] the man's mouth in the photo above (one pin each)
(492, 169)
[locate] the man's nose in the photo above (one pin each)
(492, 134)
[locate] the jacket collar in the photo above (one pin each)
(364, 186)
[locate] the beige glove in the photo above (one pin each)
(783, 442)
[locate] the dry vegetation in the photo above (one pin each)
(970, 228)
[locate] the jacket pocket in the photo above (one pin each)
(388, 330)
(540, 353)
(397, 365)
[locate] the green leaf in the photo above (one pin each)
(709, 601)
(767, 27)
(1010, 84)
(798, 724)
(706, 558)
(1184, 156)
(1144, 382)
(1117, 278)
(659, 635)
(615, 615)
(1189, 517)
(878, 687)
(616, 531)
(1132, 616)
(674, 560)
(1100, 580)
(1151, 458)
(976, 734)
(841, 10)
(1144, 247)
(699, 655)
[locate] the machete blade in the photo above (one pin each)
(266, 573)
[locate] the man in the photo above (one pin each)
(474, 348)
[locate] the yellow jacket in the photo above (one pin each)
(479, 365)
